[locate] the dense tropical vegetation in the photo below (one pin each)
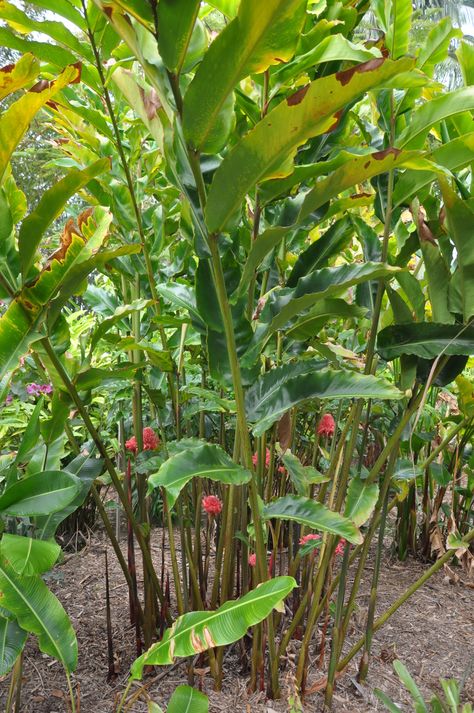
(237, 302)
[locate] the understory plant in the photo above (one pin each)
(257, 319)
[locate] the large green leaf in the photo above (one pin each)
(57, 31)
(16, 76)
(16, 119)
(335, 48)
(302, 476)
(21, 322)
(347, 170)
(313, 110)
(12, 641)
(398, 27)
(40, 494)
(27, 556)
(188, 700)
(460, 221)
(199, 630)
(86, 469)
(427, 340)
(262, 34)
(283, 305)
(432, 112)
(50, 207)
(360, 501)
(206, 461)
(312, 514)
(39, 612)
(176, 20)
(265, 406)
(318, 253)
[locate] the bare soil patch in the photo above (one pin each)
(433, 634)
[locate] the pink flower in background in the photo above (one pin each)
(267, 458)
(282, 469)
(212, 505)
(326, 426)
(150, 439)
(9, 399)
(34, 389)
(340, 547)
(307, 538)
(252, 560)
(131, 445)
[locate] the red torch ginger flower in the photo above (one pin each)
(150, 439)
(340, 547)
(212, 505)
(307, 538)
(253, 560)
(267, 458)
(131, 445)
(326, 426)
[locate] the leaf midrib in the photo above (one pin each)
(37, 617)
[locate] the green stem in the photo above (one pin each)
(403, 598)
(109, 466)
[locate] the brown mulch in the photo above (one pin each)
(433, 634)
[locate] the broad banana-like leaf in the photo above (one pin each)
(318, 253)
(335, 48)
(438, 275)
(58, 31)
(39, 612)
(21, 322)
(16, 119)
(302, 476)
(308, 326)
(427, 340)
(460, 222)
(264, 408)
(199, 630)
(360, 501)
(50, 207)
(283, 305)
(349, 169)
(437, 44)
(27, 556)
(315, 109)
(260, 35)
(16, 76)
(40, 494)
(86, 470)
(12, 641)
(206, 461)
(432, 112)
(312, 514)
(465, 56)
(176, 20)
(398, 29)
(188, 700)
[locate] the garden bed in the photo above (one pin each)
(432, 634)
